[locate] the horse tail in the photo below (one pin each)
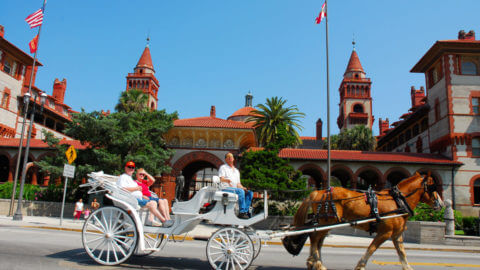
(294, 244)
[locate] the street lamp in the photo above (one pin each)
(18, 214)
(26, 101)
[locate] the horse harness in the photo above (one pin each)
(326, 208)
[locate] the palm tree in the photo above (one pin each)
(358, 138)
(132, 100)
(272, 116)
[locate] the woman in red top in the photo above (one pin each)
(145, 180)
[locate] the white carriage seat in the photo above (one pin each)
(193, 205)
(109, 183)
(232, 197)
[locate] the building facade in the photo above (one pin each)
(15, 73)
(445, 117)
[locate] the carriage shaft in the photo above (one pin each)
(328, 227)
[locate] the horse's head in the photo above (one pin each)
(431, 194)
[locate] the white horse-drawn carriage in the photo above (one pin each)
(112, 234)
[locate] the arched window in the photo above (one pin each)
(476, 147)
(358, 108)
(476, 191)
(469, 67)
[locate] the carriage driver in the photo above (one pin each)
(230, 182)
(126, 182)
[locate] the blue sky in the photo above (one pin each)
(212, 52)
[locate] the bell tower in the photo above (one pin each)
(143, 78)
(355, 96)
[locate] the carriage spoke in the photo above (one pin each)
(99, 222)
(95, 239)
(219, 243)
(120, 249)
(114, 252)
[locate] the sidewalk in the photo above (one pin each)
(203, 232)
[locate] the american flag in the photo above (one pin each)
(35, 19)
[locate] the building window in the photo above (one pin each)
(469, 66)
(358, 108)
(476, 147)
(424, 124)
(419, 145)
(475, 105)
(415, 130)
(437, 111)
(5, 100)
(476, 191)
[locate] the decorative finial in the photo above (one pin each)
(353, 42)
(148, 40)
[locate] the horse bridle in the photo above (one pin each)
(430, 189)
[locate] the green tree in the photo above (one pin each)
(357, 138)
(272, 117)
(112, 140)
(264, 169)
(133, 100)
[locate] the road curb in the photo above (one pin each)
(204, 238)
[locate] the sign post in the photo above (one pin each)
(68, 171)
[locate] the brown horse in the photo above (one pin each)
(351, 205)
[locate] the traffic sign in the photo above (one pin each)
(68, 171)
(71, 154)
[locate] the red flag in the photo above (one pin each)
(322, 14)
(35, 19)
(33, 44)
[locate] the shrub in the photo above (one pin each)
(470, 226)
(29, 191)
(424, 212)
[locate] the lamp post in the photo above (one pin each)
(26, 101)
(18, 214)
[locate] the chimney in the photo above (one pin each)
(2, 31)
(248, 99)
(383, 126)
(319, 129)
(417, 96)
(212, 112)
(466, 36)
(59, 88)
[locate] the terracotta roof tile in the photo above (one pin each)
(37, 143)
(354, 63)
(245, 111)
(347, 155)
(211, 122)
(145, 59)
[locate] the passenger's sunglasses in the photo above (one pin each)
(130, 167)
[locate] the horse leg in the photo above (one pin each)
(314, 261)
(379, 239)
(398, 243)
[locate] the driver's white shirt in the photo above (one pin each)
(230, 173)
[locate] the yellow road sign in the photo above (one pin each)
(71, 154)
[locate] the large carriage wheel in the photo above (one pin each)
(230, 248)
(109, 236)
(152, 241)
(256, 241)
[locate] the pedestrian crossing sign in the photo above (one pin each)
(71, 154)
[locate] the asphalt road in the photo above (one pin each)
(29, 248)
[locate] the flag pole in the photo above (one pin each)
(328, 99)
(18, 214)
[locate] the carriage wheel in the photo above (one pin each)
(230, 248)
(257, 243)
(109, 236)
(152, 240)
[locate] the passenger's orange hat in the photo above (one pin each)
(130, 164)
